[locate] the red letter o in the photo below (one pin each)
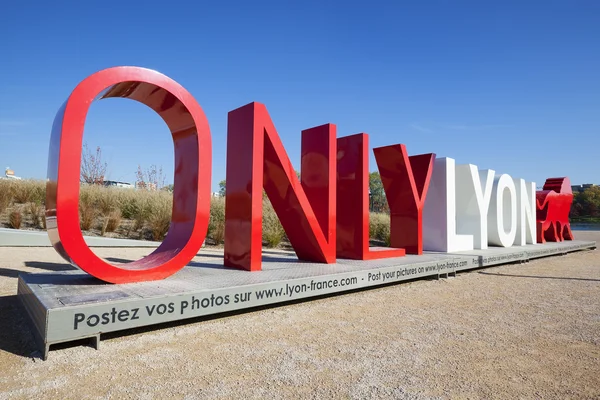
(193, 161)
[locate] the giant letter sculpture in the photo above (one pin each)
(439, 214)
(553, 207)
(526, 225)
(473, 195)
(405, 181)
(503, 212)
(325, 214)
(353, 201)
(256, 159)
(191, 197)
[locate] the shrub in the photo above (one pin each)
(26, 191)
(21, 193)
(91, 194)
(140, 217)
(37, 190)
(102, 226)
(151, 209)
(160, 215)
(35, 211)
(5, 194)
(131, 204)
(87, 212)
(140, 206)
(15, 219)
(106, 201)
(216, 224)
(273, 232)
(379, 227)
(113, 220)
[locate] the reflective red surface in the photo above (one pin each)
(256, 158)
(191, 199)
(353, 201)
(405, 181)
(553, 207)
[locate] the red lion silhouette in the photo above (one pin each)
(553, 207)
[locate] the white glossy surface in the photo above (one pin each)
(473, 195)
(502, 215)
(527, 227)
(439, 213)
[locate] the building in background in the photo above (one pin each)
(581, 188)
(119, 184)
(10, 174)
(145, 186)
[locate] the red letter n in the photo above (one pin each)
(353, 201)
(405, 181)
(256, 159)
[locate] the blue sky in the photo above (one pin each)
(512, 86)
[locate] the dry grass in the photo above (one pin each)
(15, 218)
(160, 218)
(5, 195)
(113, 220)
(273, 233)
(87, 210)
(26, 191)
(141, 214)
(106, 200)
(138, 205)
(100, 207)
(36, 211)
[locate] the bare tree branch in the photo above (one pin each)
(93, 170)
(152, 178)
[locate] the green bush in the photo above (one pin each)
(216, 224)
(379, 227)
(273, 232)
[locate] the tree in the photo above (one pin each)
(590, 201)
(93, 170)
(586, 204)
(577, 207)
(377, 200)
(150, 179)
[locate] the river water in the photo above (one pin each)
(584, 226)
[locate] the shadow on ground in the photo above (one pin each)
(44, 266)
(15, 334)
(267, 257)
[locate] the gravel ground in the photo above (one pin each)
(516, 331)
